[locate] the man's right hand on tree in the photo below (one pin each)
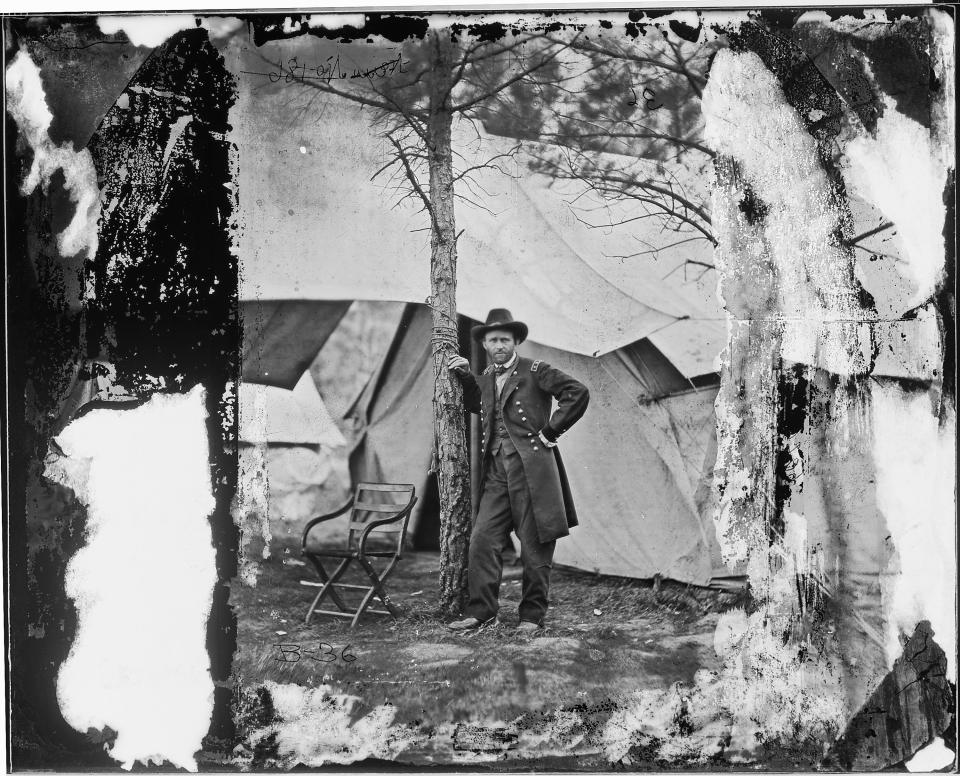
(458, 364)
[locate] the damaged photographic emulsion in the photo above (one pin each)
(499, 391)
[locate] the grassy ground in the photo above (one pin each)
(603, 637)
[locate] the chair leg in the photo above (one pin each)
(378, 581)
(362, 608)
(328, 580)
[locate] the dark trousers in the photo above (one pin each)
(504, 506)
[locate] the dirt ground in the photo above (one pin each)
(603, 637)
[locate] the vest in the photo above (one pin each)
(499, 429)
(500, 434)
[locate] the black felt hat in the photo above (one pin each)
(501, 319)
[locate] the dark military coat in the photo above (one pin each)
(527, 400)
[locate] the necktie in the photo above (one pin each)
(499, 371)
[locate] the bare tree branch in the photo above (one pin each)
(411, 176)
(476, 100)
(654, 250)
(667, 192)
(638, 136)
(612, 51)
(869, 233)
(493, 51)
(489, 164)
(693, 262)
(682, 64)
(613, 186)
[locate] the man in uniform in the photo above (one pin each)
(523, 487)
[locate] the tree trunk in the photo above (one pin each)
(452, 455)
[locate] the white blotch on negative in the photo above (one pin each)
(147, 30)
(915, 459)
(290, 26)
(143, 584)
(176, 132)
(942, 59)
(933, 757)
(251, 508)
(902, 168)
(27, 104)
(221, 27)
(900, 172)
(315, 727)
(762, 692)
(748, 118)
(334, 21)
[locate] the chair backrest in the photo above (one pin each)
(374, 501)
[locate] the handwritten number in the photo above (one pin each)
(292, 67)
(330, 71)
(649, 97)
(286, 650)
(324, 653)
(294, 72)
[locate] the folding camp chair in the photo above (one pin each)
(372, 518)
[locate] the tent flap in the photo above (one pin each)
(282, 337)
(271, 415)
(394, 415)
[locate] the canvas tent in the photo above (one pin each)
(317, 228)
(640, 462)
(640, 467)
(288, 437)
(270, 415)
(319, 233)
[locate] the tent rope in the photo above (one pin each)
(444, 334)
(443, 338)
